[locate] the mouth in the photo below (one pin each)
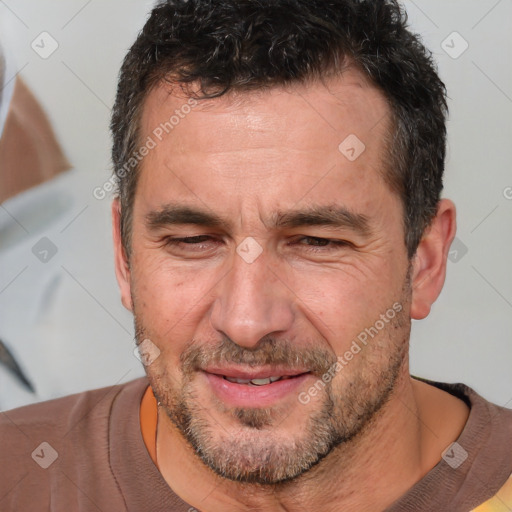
(259, 381)
(255, 387)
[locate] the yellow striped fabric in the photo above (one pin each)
(500, 502)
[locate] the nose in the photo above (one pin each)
(252, 302)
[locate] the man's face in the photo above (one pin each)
(261, 249)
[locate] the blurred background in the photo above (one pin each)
(61, 319)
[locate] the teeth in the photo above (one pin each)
(238, 381)
(260, 382)
(254, 382)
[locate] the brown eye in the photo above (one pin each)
(191, 246)
(315, 241)
(192, 239)
(318, 242)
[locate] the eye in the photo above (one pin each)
(314, 242)
(198, 245)
(189, 239)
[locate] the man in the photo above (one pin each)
(278, 225)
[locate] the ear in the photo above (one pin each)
(429, 263)
(120, 260)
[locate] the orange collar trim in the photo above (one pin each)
(148, 422)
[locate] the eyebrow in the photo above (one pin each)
(333, 216)
(178, 214)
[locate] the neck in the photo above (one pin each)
(400, 445)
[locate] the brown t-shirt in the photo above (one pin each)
(86, 453)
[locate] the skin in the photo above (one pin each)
(247, 159)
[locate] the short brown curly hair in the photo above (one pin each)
(228, 45)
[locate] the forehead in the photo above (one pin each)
(275, 141)
(338, 104)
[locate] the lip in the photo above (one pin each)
(243, 395)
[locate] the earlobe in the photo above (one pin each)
(429, 263)
(120, 259)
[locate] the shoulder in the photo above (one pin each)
(474, 467)
(62, 420)
(485, 412)
(55, 444)
(59, 415)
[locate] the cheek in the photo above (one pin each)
(169, 300)
(342, 303)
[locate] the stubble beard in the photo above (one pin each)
(258, 451)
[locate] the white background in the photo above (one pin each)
(467, 337)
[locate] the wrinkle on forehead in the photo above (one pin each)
(272, 146)
(331, 89)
